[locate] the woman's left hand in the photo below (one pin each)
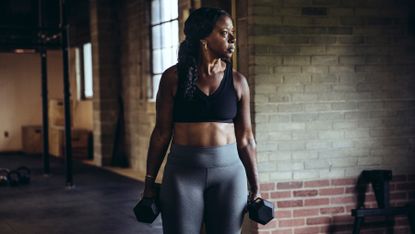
(254, 195)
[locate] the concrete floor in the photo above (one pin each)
(101, 201)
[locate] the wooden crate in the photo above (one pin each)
(57, 112)
(32, 139)
(80, 142)
(56, 140)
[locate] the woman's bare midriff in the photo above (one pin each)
(204, 134)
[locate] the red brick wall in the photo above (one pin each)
(324, 206)
(333, 94)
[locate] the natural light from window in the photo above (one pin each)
(165, 40)
(88, 79)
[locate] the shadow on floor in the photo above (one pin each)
(101, 201)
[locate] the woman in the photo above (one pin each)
(203, 107)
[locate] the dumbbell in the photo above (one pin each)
(19, 176)
(261, 210)
(148, 209)
(13, 177)
(24, 173)
(3, 177)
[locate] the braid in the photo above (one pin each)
(187, 67)
(198, 26)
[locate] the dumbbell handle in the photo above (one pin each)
(254, 214)
(147, 210)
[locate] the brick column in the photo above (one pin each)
(136, 72)
(106, 56)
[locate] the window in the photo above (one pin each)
(165, 40)
(84, 78)
(87, 82)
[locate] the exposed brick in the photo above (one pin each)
(291, 222)
(265, 195)
(316, 183)
(289, 185)
(283, 194)
(281, 214)
(306, 174)
(349, 208)
(398, 196)
(342, 218)
(342, 200)
(316, 202)
(315, 69)
(399, 203)
(286, 204)
(307, 230)
(332, 210)
(296, 60)
(331, 191)
(350, 190)
(267, 187)
(282, 231)
(318, 220)
(341, 228)
(337, 182)
(401, 221)
(305, 193)
(324, 60)
(406, 186)
(272, 224)
(305, 212)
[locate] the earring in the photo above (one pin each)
(205, 46)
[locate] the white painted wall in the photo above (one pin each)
(20, 95)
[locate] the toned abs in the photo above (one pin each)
(204, 134)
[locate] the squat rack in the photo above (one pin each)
(43, 41)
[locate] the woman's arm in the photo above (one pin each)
(162, 132)
(244, 135)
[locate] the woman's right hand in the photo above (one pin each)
(151, 189)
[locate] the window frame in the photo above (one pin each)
(80, 73)
(151, 90)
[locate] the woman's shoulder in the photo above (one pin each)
(170, 73)
(240, 83)
(238, 78)
(169, 79)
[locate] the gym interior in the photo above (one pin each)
(332, 99)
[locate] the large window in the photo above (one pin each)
(84, 78)
(165, 40)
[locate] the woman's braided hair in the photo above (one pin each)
(198, 26)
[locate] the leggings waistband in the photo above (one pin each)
(212, 156)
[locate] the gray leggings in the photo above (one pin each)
(203, 184)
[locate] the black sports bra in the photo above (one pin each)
(220, 106)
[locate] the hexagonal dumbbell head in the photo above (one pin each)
(261, 211)
(146, 210)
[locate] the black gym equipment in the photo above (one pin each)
(24, 173)
(3, 177)
(19, 176)
(13, 177)
(148, 209)
(261, 210)
(380, 183)
(39, 36)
